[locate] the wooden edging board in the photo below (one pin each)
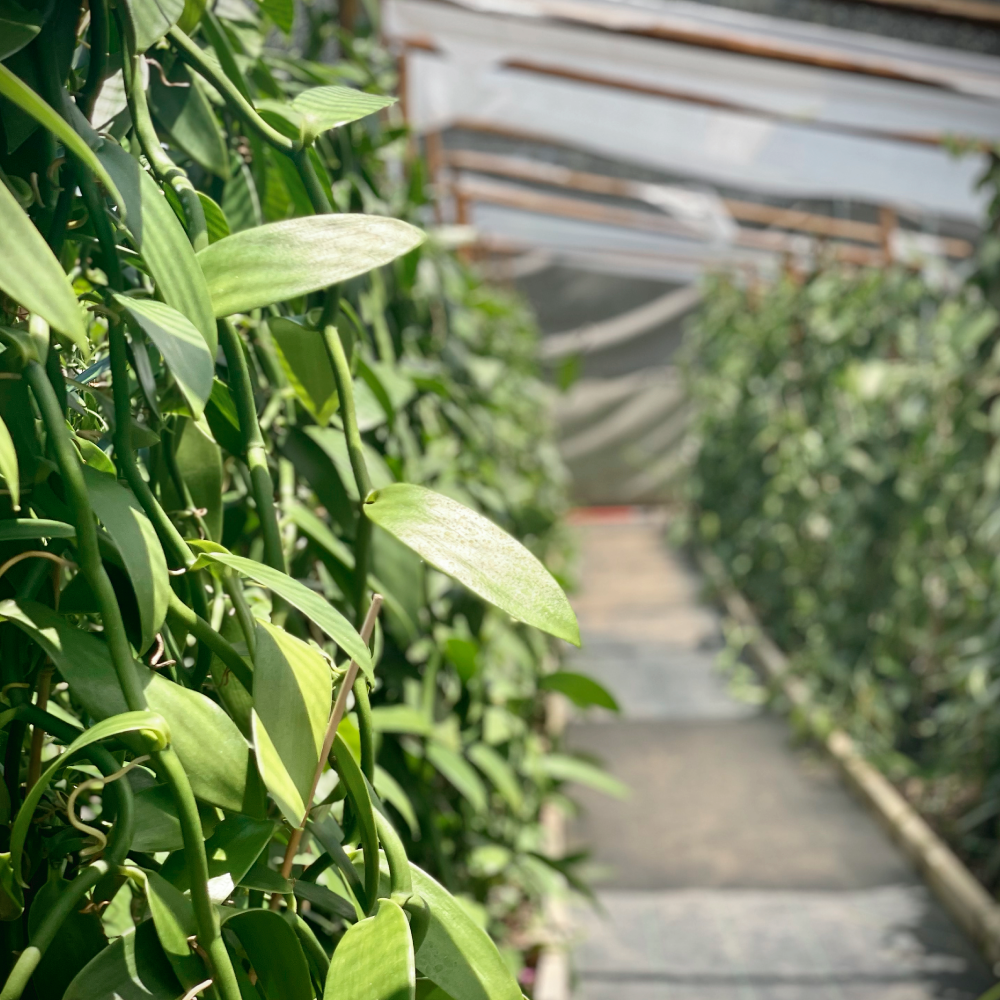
(951, 881)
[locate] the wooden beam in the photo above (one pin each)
(962, 10)
(619, 187)
(509, 195)
(686, 97)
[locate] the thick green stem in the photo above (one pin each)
(395, 856)
(206, 920)
(163, 166)
(180, 613)
(307, 171)
(355, 449)
(86, 535)
(238, 104)
(168, 534)
(261, 484)
(100, 42)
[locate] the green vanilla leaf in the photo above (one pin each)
(183, 347)
(293, 692)
(500, 773)
(274, 951)
(460, 773)
(401, 719)
(173, 918)
(151, 725)
(457, 954)
(152, 19)
(391, 791)
(23, 529)
(8, 466)
(199, 462)
(209, 745)
(319, 109)
(326, 899)
(583, 691)
(282, 260)
(81, 937)
(374, 959)
(133, 967)
(18, 27)
(282, 12)
(215, 218)
(161, 241)
(157, 825)
(236, 843)
(32, 276)
(18, 92)
(307, 366)
(562, 767)
(184, 111)
(11, 894)
(138, 545)
(319, 611)
(473, 550)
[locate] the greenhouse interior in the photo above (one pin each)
(500, 499)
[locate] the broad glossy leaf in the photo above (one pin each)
(9, 472)
(473, 550)
(500, 773)
(133, 967)
(31, 275)
(316, 110)
(460, 773)
(185, 112)
(401, 719)
(562, 767)
(18, 27)
(173, 918)
(314, 607)
(160, 238)
(11, 894)
(390, 790)
(157, 826)
(199, 462)
(274, 952)
(24, 528)
(234, 846)
(582, 690)
(307, 366)
(374, 959)
(183, 348)
(282, 12)
(264, 878)
(18, 92)
(293, 692)
(215, 218)
(240, 201)
(140, 549)
(333, 442)
(283, 260)
(152, 19)
(150, 724)
(209, 745)
(326, 899)
(457, 953)
(81, 937)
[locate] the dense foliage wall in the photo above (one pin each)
(238, 396)
(848, 474)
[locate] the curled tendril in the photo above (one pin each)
(35, 554)
(95, 784)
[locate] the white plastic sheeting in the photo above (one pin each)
(468, 80)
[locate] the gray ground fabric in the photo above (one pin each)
(740, 868)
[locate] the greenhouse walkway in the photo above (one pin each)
(740, 868)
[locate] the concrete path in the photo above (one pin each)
(740, 868)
